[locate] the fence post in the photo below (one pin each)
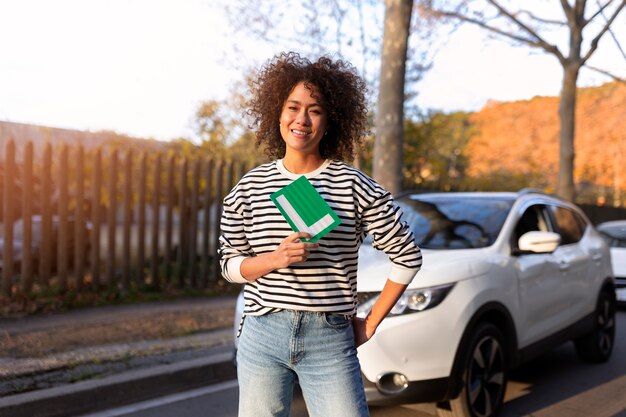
(111, 219)
(169, 213)
(27, 219)
(230, 180)
(182, 207)
(80, 225)
(156, 193)
(7, 250)
(218, 212)
(208, 221)
(95, 218)
(193, 223)
(128, 196)
(141, 222)
(62, 236)
(46, 217)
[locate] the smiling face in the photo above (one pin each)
(303, 120)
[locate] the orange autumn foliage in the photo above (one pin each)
(521, 138)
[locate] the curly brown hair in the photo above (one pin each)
(343, 97)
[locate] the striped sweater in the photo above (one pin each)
(326, 282)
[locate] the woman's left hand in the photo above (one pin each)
(361, 334)
(365, 328)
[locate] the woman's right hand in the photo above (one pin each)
(292, 249)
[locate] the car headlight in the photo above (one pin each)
(411, 301)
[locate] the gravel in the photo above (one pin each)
(38, 353)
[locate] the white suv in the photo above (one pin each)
(506, 276)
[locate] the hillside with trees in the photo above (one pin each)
(504, 146)
(516, 144)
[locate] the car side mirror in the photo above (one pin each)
(539, 242)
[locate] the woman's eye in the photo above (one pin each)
(292, 108)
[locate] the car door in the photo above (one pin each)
(542, 296)
(577, 260)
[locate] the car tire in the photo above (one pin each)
(483, 376)
(597, 346)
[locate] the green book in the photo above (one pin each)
(305, 209)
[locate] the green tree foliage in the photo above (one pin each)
(212, 127)
(434, 151)
(245, 151)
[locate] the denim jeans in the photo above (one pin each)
(317, 349)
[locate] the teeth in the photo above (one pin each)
(299, 132)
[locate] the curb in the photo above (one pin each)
(121, 389)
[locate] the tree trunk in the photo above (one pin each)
(567, 117)
(390, 114)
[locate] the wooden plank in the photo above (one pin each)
(80, 225)
(141, 221)
(111, 219)
(207, 206)
(182, 210)
(96, 218)
(62, 223)
(156, 202)
(8, 213)
(169, 214)
(218, 214)
(45, 250)
(27, 219)
(128, 218)
(193, 223)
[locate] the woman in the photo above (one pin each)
(300, 297)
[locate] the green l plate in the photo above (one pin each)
(305, 209)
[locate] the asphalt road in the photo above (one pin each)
(556, 384)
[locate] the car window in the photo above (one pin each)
(613, 241)
(455, 222)
(569, 225)
(615, 236)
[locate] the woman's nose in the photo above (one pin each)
(303, 118)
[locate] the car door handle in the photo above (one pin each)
(563, 266)
(596, 257)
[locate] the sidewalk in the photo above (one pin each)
(82, 361)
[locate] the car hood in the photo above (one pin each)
(439, 267)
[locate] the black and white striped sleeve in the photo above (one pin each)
(233, 244)
(382, 218)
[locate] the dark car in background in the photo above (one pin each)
(37, 244)
(614, 232)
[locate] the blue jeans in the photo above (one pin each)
(317, 349)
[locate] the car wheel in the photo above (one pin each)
(597, 346)
(483, 376)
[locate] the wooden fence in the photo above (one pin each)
(109, 217)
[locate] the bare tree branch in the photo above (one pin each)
(541, 19)
(607, 73)
(567, 9)
(519, 23)
(599, 11)
(579, 12)
(596, 40)
(619, 46)
(537, 42)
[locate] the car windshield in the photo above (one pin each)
(615, 235)
(455, 221)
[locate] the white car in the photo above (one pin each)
(615, 234)
(506, 276)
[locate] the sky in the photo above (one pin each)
(142, 67)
